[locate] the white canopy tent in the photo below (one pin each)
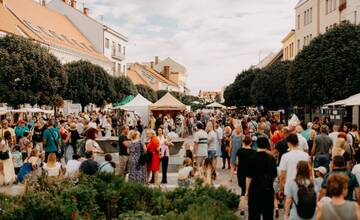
(216, 105)
(140, 106)
(350, 101)
(33, 110)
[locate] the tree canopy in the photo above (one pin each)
(328, 69)
(147, 92)
(88, 83)
(238, 93)
(29, 73)
(123, 87)
(269, 86)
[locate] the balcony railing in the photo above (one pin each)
(117, 55)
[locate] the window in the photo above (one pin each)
(334, 5)
(298, 21)
(327, 7)
(113, 69)
(310, 36)
(310, 15)
(113, 47)
(355, 17)
(119, 48)
(304, 18)
(66, 39)
(119, 67)
(304, 41)
(107, 43)
(298, 45)
(124, 50)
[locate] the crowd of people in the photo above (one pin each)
(311, 170)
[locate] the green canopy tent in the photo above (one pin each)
(123, 101)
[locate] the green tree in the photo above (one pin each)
(268, 88)
(88, 83)
(147, 92)
(123, 87)
(328, 69)
(238, 93)
(29, 73)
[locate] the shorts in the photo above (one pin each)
(211, 154)
(123, 164)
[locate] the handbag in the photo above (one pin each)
(4, 155)
(145, 157)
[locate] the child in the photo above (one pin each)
(320, 172)
(17, 158)
(188, 153)
(26, 145)
(208, 173)
(185, 173)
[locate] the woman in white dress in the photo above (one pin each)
(8, 170)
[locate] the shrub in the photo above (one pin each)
(108, 196)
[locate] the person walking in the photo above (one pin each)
(245, 154)
(165, 154)
(123, 151)
(338, 208)
(137, 171)
(322, 148)
(51, 140)
(154, 148)
(259, 182)
(235, 145)
(225, 146)
(289, 161)
(302, 185)
(200, 145)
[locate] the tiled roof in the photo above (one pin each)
(136, 78)
(52, 27)
(157, 75)
(14, 26)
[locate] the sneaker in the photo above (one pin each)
(242, 213)
(276, 213)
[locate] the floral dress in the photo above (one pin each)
(137, 172)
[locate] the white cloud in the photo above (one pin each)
(214, 39)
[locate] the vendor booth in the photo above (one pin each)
(345, 109)
(168, 104)
(140, 106)
(216, 105)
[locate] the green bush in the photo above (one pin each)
(110, 197)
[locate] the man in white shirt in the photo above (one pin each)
(289, 161)
(72, 167)
(200, 145)
(333, 135)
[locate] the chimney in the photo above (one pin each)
(151, 63)
(73, 3)
(156, 60)
(86, 11)
(166, 72)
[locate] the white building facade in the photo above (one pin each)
(314, 17)
(106, 40)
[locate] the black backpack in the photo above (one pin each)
(306, 205)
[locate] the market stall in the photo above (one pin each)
(168, 104)
(216, 105)
(140, 106)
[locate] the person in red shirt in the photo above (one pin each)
(154, 147)
(278, 135)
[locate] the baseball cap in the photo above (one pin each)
(321, 169)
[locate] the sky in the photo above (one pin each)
(214, 39)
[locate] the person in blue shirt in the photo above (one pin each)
(20, 129)
(51, 140)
